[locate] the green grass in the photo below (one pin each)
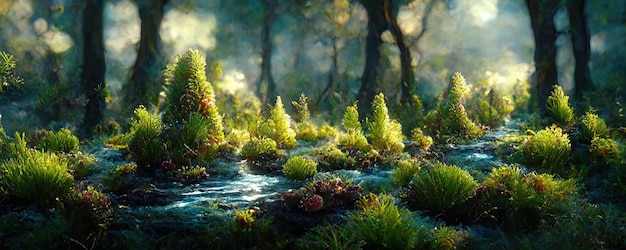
(559, 108)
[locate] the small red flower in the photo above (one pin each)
(167, 166)
(313, 203)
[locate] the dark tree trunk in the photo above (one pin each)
(376, 25)
(92, 76)
(267, 95)
(145, 80)
(545, 76)
(406, 78)
(580, 42)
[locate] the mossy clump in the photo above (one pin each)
(299, 168)
(592, 126)
(278, 126)
(36, 176)
(258, 149)
(493, 109)
(559, 108)
(354, 139)
(381, 224)
(405, 171)
(331, 158)
(62, 141)
(305, 129)
(604, 148)
(324, 193)
(383, 133)
(420, 140)
(548, 149)
(454, 121)
(146, 145)
(441, 189)
(88, 209)
(520, 201)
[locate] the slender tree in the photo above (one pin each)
(542, 22)
(92, 76)
(382, 16)
(581, 44)
(266, 87)
(145, 80)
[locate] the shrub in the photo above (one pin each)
(245, 219)
(256, 149)
(454, 122)
(354, 139)
(492, 110)
(519, 201)
(146, 146)
(37, 176)
(384, 134)
(592, 126)
(604, 147)
(331, 158)
(191, 174)
(440, 189)
(277, 126)
(62, 141)
(547, 149)
(419, 139)
(88, 209)
(444, 237)
(188, 91)
(404, 172)
(558, 105)
(324, 193)
(299, 168)
(9, 79)
(79, 164)
(383, 225)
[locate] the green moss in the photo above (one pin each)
(441, 189)
(592, 126)
(37, 176)
(493, 109)
(384, 133)
(558, 105)
(299, 168)
(256, 149)
(383, 225)
(405, 171)
(278, 126)
(146, 145)
(522, 200)
(454, 122)
(62, 141)
(547, 149)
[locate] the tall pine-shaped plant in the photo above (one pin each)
(354, 138)
(278, 126)
(384, 133)
(452, 114)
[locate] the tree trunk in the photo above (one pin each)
(92, 76)
(145, 80)
(580, 42)
(268, 95)
(406, 78)
(545, 75)
(376, 25)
